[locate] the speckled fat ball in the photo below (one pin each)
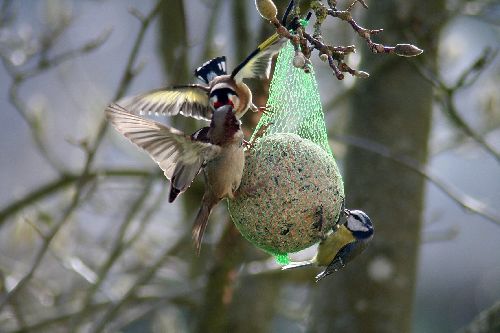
(290, 195)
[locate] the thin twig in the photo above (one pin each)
(448, 92)
(64, 315)
(335, 55)
(67, 262)
(449, 106)
(83, 179)
(147, 275)
(20, 77)
(147, 217)
(118, 248)
(463, 200)
(61, 183)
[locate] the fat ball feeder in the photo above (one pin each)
(291, 193)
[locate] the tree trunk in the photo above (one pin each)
(392, 107)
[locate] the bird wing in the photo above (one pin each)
(258, 63)
(188, 100)
(345, 255)
(180, 156)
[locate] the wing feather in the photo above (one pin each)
(178, 155)
(190, 101)
(258, 63)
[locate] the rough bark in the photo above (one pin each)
(219, 290)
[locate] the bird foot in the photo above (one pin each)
(249, 191)
(261, 132)
(264, 110)
(249, 145)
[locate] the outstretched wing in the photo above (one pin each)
(189, 100)
(179, 156)
(258, 63)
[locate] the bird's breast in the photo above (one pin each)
(328, 249)
(225, 171)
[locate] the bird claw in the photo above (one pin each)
(264, 110)
(249, 191)
(260, 133)
(249, 144)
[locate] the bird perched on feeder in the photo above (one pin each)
(217, 150)
(341, 246)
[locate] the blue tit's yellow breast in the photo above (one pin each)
(328, 249)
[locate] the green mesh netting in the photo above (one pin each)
(291, 192)
(294, 102)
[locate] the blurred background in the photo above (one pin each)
(88, 242)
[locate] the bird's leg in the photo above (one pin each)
(250, 191)
(260, 133)
(248, 144)
(262, 109)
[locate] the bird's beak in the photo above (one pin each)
(347, 212)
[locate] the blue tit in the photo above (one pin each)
(217, 150)
(342, 245)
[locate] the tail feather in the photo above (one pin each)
(336, 265)
(173, 194)
(324, 274)
(201, 221)
(211, 69)
(297, 264)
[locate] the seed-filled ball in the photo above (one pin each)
(290, 195)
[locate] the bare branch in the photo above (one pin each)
(118, 248)
(486, 321)
(55, 186)
(335, 55)
(83, 178)
(447, 96)
(463, 200)
(44, 64)
(147, 275)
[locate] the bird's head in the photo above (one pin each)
(223, 94)
(359, 224)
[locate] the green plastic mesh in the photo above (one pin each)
(291, 192)
(294, 102)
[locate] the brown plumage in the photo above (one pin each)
(223, 173)
(217, 149)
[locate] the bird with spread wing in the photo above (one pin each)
(218, 87)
